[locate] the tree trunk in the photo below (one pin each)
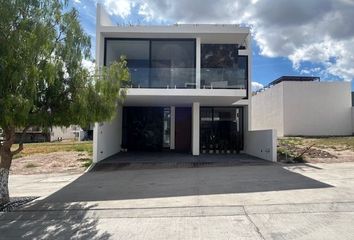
(5, 163)
(4, 188)
(6, 156)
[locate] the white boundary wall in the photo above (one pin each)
(353, 120)
(304, 109)
(108, 137)
(268, 110)
(262, 144)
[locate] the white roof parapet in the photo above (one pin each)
(103, 20)
(206, 24)
(185, 28)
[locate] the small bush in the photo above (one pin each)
(30, 165)
(86, 162)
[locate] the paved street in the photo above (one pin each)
(266, 201)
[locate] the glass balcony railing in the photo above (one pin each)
(163, 77)
(223, 78)
(211, 78)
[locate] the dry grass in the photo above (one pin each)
(44, 148)
(52, 157)
(340, 143)
(336, 143)
(328, 149)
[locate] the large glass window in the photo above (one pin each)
(222, 67)
(156, 63)
(138, 58)
(173, 63)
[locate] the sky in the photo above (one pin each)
(289, 37)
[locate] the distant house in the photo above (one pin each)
(304, 106)
(37, 134)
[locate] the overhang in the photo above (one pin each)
(183, 97)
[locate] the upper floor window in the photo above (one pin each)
(222, 67)
(137, 53)
(156, 63)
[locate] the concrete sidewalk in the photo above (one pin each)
(39, 185)
(239, 202)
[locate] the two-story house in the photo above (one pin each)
(190, 90)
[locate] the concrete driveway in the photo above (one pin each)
(263, 201)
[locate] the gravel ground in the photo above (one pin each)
(56, 162)
(317, 153)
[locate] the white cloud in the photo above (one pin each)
(120, 8)
(256, 86)
(89, 65)
(311, 71)
(302, 30)
(311, 31)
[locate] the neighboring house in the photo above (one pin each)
(33, 135)
(37, 134)
(304, 106)
(190, 90)
(70, 133)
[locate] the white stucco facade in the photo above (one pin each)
(108, 135)
(304, 109)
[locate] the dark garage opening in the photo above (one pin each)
(145, 128)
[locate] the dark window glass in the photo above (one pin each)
(156, 63)
(219, 55)
(222, 67)
(172, 63)
(138, 58)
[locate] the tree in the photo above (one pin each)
(42, 80)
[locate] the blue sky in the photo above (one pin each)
(300, 37)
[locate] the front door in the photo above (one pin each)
(183, 129)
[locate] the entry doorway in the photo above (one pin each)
(221, 129)
(183, 129)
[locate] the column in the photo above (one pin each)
(198, 63)
(195, 128)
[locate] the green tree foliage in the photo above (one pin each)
(42, 80)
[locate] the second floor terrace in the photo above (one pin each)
(180, 63)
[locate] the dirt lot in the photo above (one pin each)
(72, 157)
(316, 150)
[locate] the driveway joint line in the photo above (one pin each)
(255, 226)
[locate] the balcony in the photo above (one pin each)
(211, 78)
(173, 63)
(163, 78)
(223, 78)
